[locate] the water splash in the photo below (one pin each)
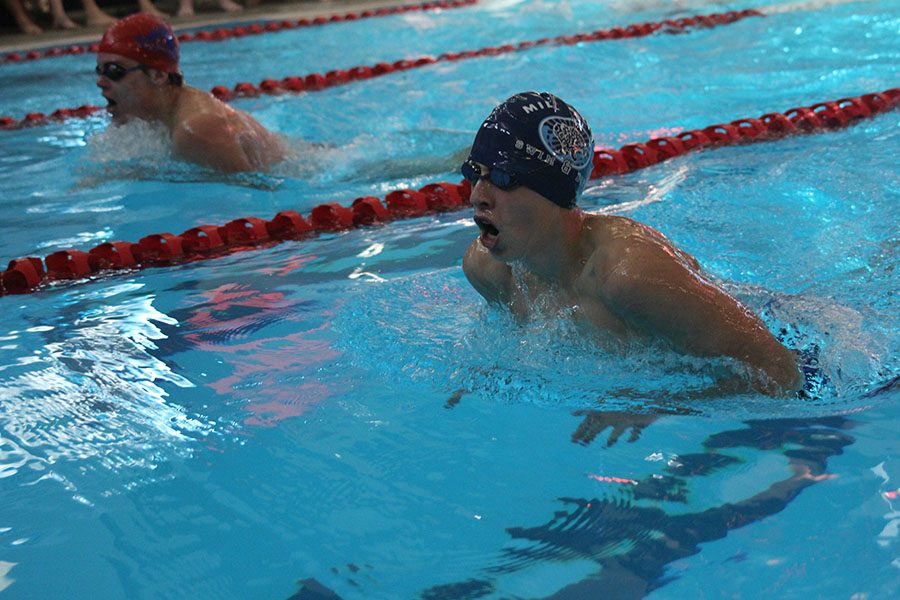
(94, 395)
(386, 158)
(140, 150)
(138, 140)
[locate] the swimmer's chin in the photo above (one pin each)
(112, 108)
(497, 251)
(115, 116)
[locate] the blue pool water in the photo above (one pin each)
(343, 413)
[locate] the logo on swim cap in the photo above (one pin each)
(543, 141)
(566, 141)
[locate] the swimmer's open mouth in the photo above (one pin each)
(110, 102)
(489, 232)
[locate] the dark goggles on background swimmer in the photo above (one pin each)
(115, 71)
(500, 178)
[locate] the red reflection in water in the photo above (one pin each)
(294, 264)
(269, 368)
(612, 479)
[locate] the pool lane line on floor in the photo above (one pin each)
(25, 275)
(319, 81)
(245, 28)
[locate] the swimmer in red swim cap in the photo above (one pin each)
(529, 164)
(138, 73)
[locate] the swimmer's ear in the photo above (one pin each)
(158, 77)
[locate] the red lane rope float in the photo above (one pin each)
(209, 241)
(223, 33)
(318, 81)
(803, 119)
(27, 274)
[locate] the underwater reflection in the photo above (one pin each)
(631, 545)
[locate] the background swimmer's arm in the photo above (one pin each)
(490, 278)
(210, 141)
(665, 296)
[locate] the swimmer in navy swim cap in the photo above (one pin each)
(529, 163)
(139, 75)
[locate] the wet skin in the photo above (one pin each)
(622, 278)
(130, 97)
(203, 129)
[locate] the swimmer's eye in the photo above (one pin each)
(115, 71)
(500, 178)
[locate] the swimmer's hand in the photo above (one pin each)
(595, 421)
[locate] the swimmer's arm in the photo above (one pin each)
(490, 278)
(210, 141)
(665, 297)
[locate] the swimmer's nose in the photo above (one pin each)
(481, 198)
(102, 81)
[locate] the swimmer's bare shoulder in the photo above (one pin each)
(202, 133)
(209, 132)
(614, 246)
(621, 237)
(491, 278)
(657, 288)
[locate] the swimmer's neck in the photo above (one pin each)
(165, 105)
(559, 252)
(172, 97)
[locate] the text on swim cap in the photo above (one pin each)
(530, 108)
(535, 152)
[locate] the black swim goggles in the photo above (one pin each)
(500, 178)
(115, 71)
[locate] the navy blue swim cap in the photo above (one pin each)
(541, 140)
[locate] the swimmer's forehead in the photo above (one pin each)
(104, 58)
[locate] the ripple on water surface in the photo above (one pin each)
(89, 389)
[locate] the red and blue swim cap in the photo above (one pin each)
(144, 38)
(541, 140)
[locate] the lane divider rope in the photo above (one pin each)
(28, 274)
(320, 81)
(224, 33)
